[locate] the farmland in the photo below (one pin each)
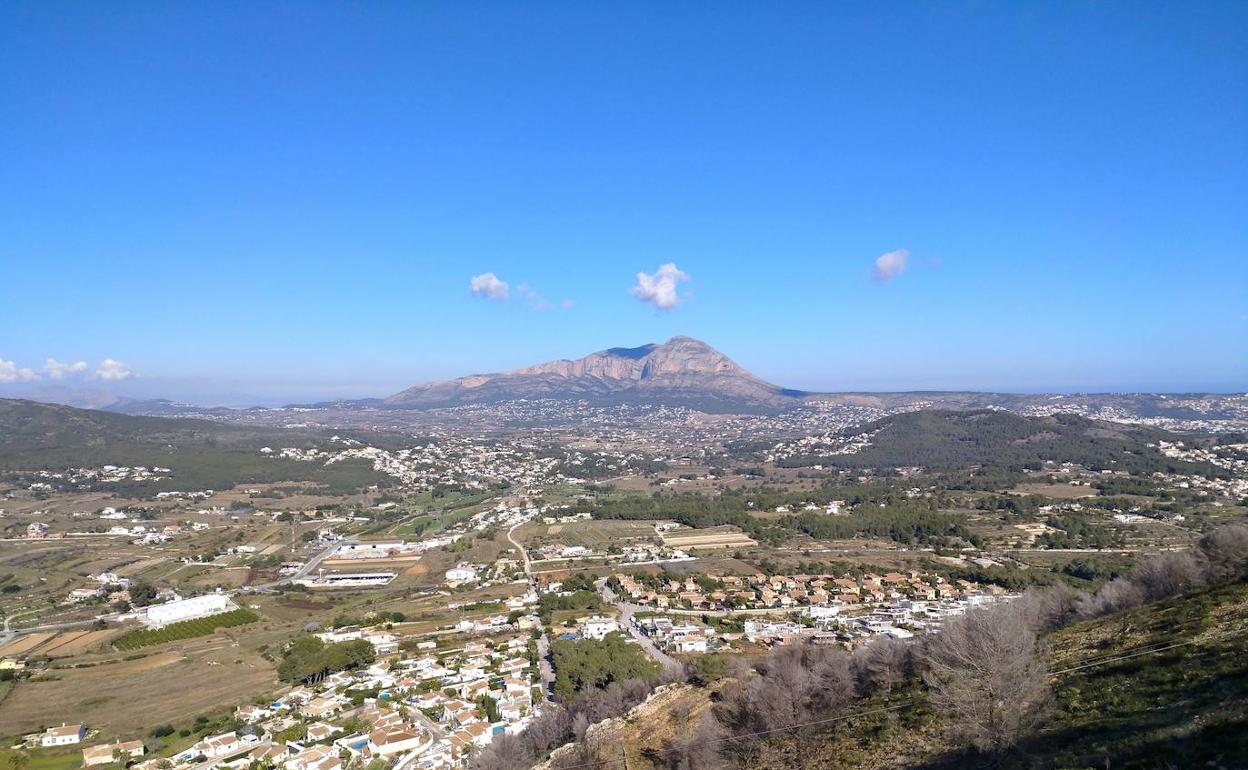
(186, 629)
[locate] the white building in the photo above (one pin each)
(64, 735)
(598, 627)
(461, 573)
(188, 609)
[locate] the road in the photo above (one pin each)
(545, 670)
(307, 569)
(9, 632)
(626, 611)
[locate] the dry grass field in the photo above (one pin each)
(591, 534)
(121, 697)
(1059, 491)
(713, 537)
(53, 645)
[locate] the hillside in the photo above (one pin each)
(682, 371)
(1162, 686)
(945, 440)
(31, 426)
(202, 454)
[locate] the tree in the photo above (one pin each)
(882, 664)
(1169, 574)
(1225, 552)
(696, 749)
(986, 676)
(142, 593)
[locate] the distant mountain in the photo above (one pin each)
(28, 426)
(79, 395)
(680, 372)
(163, 407)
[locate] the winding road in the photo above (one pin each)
(545, 670)
(626, 611)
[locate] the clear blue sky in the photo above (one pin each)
(256, 201)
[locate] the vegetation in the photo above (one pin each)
(185, 629)
(308, 659)
(939, 439)
(202, 454)
(587, 663)
(910, 521)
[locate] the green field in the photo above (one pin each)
(186, 629)
(44, 759)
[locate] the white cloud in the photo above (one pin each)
(113, 370)
(660, 289)
(568, 304)
(890, 265)
(59, 370)
(533, 297)
(11, 372)
(489, 286)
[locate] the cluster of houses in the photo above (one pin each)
(429, 706)
(436, 706)
(457, 463)
(677, 637)
(759, 591)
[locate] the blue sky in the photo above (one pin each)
(269, 201)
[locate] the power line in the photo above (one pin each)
(1127, 656)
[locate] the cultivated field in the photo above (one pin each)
(714, 537)
(64, 645)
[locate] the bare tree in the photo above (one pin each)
(987, 678)
(696, 749)
(882, 664)
(1054, 606)
(1117, 595)
(1225, 552)
(1169, 574)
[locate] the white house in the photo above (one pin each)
(461, 573)
(598, 627)
(65, 735)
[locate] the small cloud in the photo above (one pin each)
(59, 370)
(533, 297)
(890, 265)
(112, 370)
(489, 286)
(11, 372)
(660, 289)
(568, 304)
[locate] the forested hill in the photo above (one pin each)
(31, 425)
(948, 440)
(202, 454)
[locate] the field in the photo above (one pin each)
(63, 645)
(601, 534)
(714, 537)
(1059, 491)
(186, 629)
(120, 694)
(46, 759)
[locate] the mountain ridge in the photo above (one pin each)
(680, 371)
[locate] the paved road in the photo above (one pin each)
(626, 611)
(307, 569)
(545, 670)
(9, 632)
